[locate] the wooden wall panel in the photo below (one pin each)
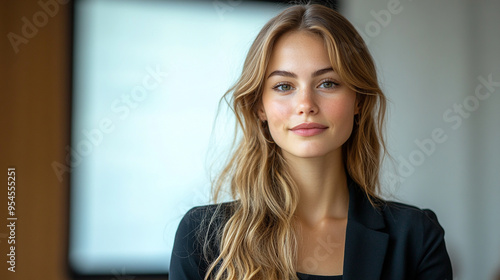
(34, 121)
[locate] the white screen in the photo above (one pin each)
(148, 76)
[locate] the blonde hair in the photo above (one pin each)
(257, 240)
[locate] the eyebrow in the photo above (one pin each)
(293, 75)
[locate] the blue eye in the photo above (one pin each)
(283, 87)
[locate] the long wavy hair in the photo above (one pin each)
(258, 238)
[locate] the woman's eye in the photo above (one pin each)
(283, 87)
(328, 84)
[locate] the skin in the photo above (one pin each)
(315, 161)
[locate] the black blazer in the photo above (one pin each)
(396, 241)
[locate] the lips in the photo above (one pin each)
(308, 129)
(310, 125)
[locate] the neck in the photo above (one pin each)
(322, 184)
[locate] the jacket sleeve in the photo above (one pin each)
(435, 262)
(187, 261)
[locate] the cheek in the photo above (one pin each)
(341, 110)
(277, 112)
(278, 115)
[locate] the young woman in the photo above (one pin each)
(305, 175)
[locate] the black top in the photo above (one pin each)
(303, 276)
(393, 241)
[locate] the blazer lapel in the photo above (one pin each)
(365, 246)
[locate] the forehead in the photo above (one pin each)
(299, 51)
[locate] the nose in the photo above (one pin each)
(306, 103)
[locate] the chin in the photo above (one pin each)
(311, 153)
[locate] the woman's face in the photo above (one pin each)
(309, 110)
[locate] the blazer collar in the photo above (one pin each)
(365, 245)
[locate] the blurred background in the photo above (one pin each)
(93, 94)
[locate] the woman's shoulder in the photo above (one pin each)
(406, 212)
(406, 218)
(200, 224)
(195, 244)
(202, 215)
(417, 234)
(201, 211)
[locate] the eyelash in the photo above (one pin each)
(335, 84)
(276, 87)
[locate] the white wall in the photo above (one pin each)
(430, 55)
